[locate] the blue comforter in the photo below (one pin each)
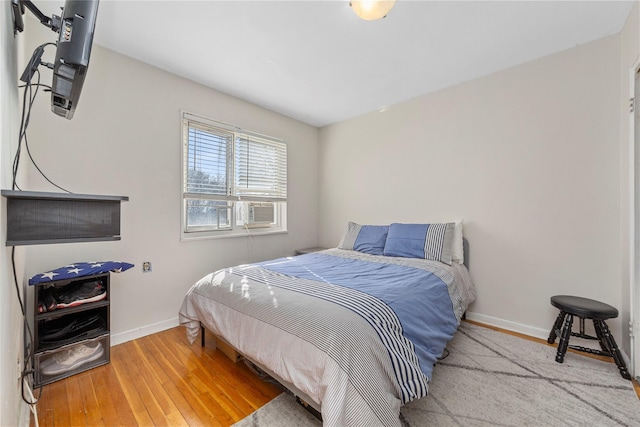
(419, 298)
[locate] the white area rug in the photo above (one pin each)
(494, 379)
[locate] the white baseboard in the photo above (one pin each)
(25, 414)
(509, 325)
(143, 331)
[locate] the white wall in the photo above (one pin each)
(529, 157)
(125, 139)
(12, 408)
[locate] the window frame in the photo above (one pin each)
(232, 196)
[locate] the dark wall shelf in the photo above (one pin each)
(36, 218)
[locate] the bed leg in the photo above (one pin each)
(202, 334)
(309, 408)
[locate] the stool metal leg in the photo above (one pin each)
(564, 339)
(604, 335)
(556, 327)
(604, 345)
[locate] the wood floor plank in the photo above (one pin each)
(77, 416)
(235, 379)
(113, 405)
(182, 379)
(126, 379)
(187, 412)
(208, 380)
(54, 399)
(144, 385)
(152, 379)
(91, 405)
(178, 380)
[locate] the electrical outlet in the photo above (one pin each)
(146, 267)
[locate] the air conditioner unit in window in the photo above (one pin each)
(260, 215)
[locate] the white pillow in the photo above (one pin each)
(457, 247)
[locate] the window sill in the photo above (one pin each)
(226, 234)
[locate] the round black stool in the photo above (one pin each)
(585, 308)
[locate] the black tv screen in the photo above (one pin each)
(75, 38)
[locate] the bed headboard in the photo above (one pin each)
(465, 251)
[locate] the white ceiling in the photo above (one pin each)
(317, 62)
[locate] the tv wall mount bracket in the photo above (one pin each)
(18, 6)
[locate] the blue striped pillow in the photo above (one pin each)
(426, 241)
(368, 239)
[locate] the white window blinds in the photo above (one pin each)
(260, 168)
(208, 151)
(221, 162)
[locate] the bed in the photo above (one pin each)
(354, 331)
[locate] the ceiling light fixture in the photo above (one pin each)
(372, 10)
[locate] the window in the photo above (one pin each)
(234, 181)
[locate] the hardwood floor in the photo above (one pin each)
(159, 380)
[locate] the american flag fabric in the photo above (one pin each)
(80, 269)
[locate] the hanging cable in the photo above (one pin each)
(32, 406)
(28, 359)
(32, 70)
